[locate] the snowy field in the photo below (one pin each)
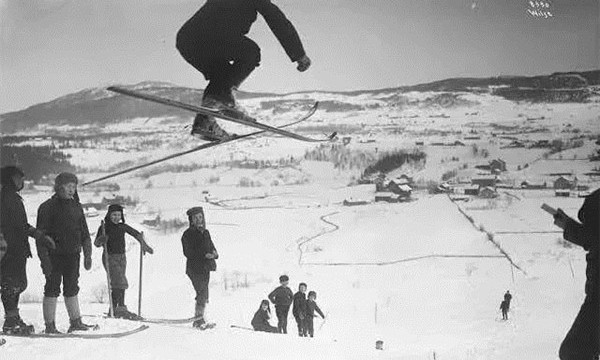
(418, 276)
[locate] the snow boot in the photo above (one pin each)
(227, 106)
(72, 304)
(13, 324)
(78, 325)
(121, 312)
(51, 329)
(199, 312)
(208, 129)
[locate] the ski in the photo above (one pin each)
(154, 320)
(242, 327)
(247, 121)
(197, 148)
(83, 335)
(170, 321)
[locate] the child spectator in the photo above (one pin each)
(282, 298)
(111, 236)
(299, 309)
(311, 307)
(260, 321)
(201, 254)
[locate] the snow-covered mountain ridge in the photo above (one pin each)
(97, 106)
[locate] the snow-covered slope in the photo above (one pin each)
(418, 276)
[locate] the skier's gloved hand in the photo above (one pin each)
(87, 262)
(303, 63)
(101, 240)
(560, 218)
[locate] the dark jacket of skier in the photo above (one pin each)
(15, 227)
(220, 22)
(64, 221)
(196, 244)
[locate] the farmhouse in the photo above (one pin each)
(564, 182)
(386, 196)
(488, 192)
(484, 181)
(352, 202)
(562, 192)
(472, 190)
(533, 186)
(498, 165)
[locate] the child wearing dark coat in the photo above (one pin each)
(260, 321)
(299, 309)
(201, 254)
(311, 307)
(282, 298)
(111, 236)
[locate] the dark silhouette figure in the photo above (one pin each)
(583, 339)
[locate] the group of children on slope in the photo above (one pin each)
(282, 297)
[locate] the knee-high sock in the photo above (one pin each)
(49, 309)
(72, 304)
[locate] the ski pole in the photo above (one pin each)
(111, 311)
(141, 267)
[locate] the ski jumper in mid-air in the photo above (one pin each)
(214, 42)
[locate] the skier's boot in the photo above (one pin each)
(78, 325)
(121, 312)
(199, 312)
(72, 304)
(227, 105)
(51, 329)
(13, 324)
(208, 129)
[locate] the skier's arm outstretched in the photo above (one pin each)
(284, 32)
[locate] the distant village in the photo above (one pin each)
(485, 185)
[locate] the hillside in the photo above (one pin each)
(96, 106)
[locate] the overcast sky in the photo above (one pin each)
(50, 48)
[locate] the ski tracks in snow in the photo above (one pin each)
(302, 242)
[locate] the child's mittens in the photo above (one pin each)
(147, 249)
